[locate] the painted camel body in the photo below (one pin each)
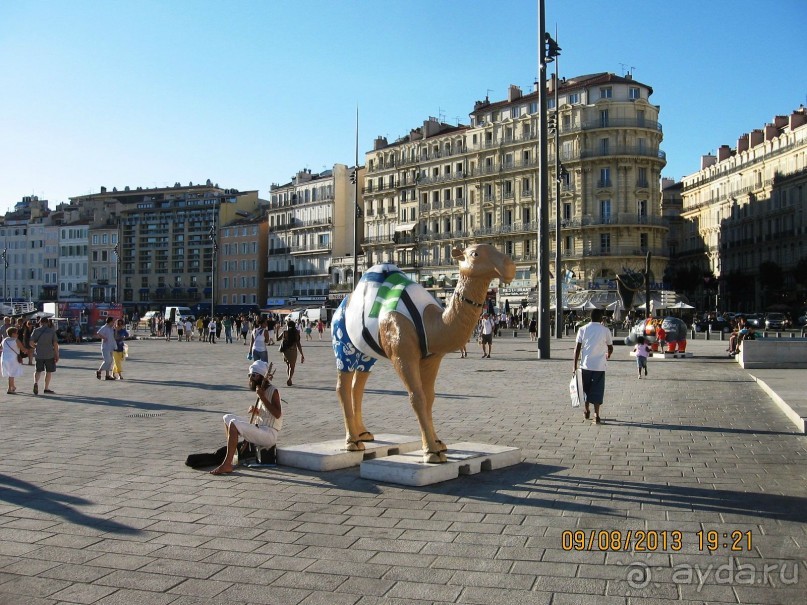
(414, 342)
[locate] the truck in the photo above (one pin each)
(179, 313)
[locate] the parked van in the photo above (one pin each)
(182, 313)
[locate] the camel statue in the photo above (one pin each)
(390, 316)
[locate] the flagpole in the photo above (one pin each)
(356, 207)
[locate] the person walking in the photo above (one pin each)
(107, 336)
(228, 329)
(259, 342)
(212, 330)
(642, 352)
(13, 351)
(119, 354)
(487, 329)
(593, 349)
(290, 347)
(46, 353)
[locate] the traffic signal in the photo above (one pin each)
(551, 49)
(353, 176)
(551, 123)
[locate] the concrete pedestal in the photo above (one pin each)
(463, 459)
(331, 455)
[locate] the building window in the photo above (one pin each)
(604, 146)
(567, 211)
(641, 210)
(574, 98)
(605, 92)
(605, 211)
(603, 118)
(634, 93)
(605, 177)
(605, 243)
(643, 242)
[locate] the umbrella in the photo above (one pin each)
(680, 305)
(616, 307)
(586, 306)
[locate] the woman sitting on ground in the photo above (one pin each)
(264, 422)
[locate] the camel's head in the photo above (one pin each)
(484, 261)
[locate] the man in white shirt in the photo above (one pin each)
(488, 325)
(596, 345)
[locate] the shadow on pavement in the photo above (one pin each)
(698, 428)
(30, 496)
(525, 483)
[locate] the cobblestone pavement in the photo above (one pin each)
(97, 507)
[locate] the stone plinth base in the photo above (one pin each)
(463, 459)
(331, 455)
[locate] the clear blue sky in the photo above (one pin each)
(246, 93)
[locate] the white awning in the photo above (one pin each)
(405, 227)
(406, 249)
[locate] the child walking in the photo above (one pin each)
(642, 351)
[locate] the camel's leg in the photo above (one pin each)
(428, 375)
(344, 390)
(359, 381)
(409, 373)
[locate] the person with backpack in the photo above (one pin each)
(258, 344)
(290, 347)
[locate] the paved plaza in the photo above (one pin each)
(97, 506)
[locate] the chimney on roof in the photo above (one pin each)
(380, 143)
(780, 121)
(708, 160)
(723, 153)
(513, 93)
(551, 84)
(103, 189)
(798, 118)
(742, 143)
(755, 138)
(770, 132)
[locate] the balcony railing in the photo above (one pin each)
(622, 150)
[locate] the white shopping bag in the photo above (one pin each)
(576, 389)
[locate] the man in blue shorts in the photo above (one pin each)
(596, 345)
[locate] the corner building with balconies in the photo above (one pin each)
(310, 236)
(443, 186)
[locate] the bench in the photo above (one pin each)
(782, 353)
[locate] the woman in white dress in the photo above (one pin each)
(12, 368)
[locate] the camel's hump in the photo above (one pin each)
(384, 289)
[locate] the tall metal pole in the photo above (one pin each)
(356, 207)
(5, 274)
(543, 201)
(213, 267)
(558, 277)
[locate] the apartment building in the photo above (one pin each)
(744, 217)
(73, 261)
(103, 264)
(443, 186)
(310, 221)
(241, 278)
(166, 238)
(22, 239)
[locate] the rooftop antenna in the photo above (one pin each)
(487, 94)
(458, 120)
(441, 115)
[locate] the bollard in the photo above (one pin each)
(792, 335)
(515, 333)
(721, 334)
(778, 335)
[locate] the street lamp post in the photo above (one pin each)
(552, 52)
(546, 55)
(116, 298)
(212, 235)
(5, 273)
